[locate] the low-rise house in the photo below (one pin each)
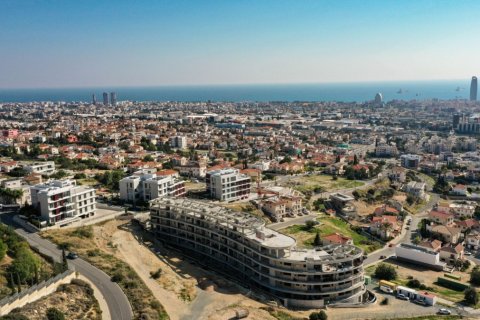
(433, 245)
(416, 189)
(459, 190)
(385, 226)
(336, 238)
(440, 217)
(8, 166)
(45, 167)
(450, 234)
(472, 240)
(386, 209)
(450, 254)
(398, 174)
(466, 210)
(467, 224)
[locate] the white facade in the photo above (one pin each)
(145, 186)
(47, 167)
(63, 201)
(228, 185)
(419, 255)
(179, 142)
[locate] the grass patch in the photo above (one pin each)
(144, 304)
(329, 225)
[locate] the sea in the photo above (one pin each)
(341, 92)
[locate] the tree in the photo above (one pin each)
(475, 276)
(55, 314)
(310, 224)
(24, 264)
(385, 272)
(471, 296)
(148, 158)
(318, 315)
(355, 159)
(3, 250)
(416, 240)
(317, 241)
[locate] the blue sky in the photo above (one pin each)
(76, 43)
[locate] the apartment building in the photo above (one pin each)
(282, 206)
(240, 244)
(146, 185)
(228, 184)
(179, 142)
(46, 168)
(410, 161)
(62, 201)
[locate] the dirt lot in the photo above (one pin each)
(73, 300)
(429, 278)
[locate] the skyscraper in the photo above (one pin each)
(113, 98)
(378, 99)
(105, 98)
(473, 89)
(94, 99)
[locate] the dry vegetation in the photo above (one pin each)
(89, 243)
(74, 300)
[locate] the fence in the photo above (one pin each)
(35, 292)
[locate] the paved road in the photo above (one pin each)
(118, 304)
(407, 235)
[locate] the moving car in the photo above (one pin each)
(444, 311)
(72, 255)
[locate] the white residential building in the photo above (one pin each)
(146, 185)
(228, 184)
(179, 142)
(47, 167)
(62, 201)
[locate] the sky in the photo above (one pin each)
(86, 43)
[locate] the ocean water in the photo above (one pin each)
(345, 92)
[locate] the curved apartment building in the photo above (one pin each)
(240, 244)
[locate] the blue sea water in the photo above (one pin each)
(345, 92)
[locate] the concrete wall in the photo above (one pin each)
(34, 293)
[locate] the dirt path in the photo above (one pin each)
(143, 262)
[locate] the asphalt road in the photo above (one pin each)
(117, 301)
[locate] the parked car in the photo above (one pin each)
(383, 257)
(386, 289)
(444, 311)
(401, 296)
(420, 302)
(468, 253)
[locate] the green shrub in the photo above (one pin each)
(385, 272)
(55, 314)
(450, 284)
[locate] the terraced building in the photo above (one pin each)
(240, 244)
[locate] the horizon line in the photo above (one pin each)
(230, 84)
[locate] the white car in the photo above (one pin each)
(444, 311)
(468, 253)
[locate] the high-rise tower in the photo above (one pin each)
(105, 98)
(113, 98)
(473, 89)
(94, 99)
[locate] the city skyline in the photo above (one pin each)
(89, 44)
